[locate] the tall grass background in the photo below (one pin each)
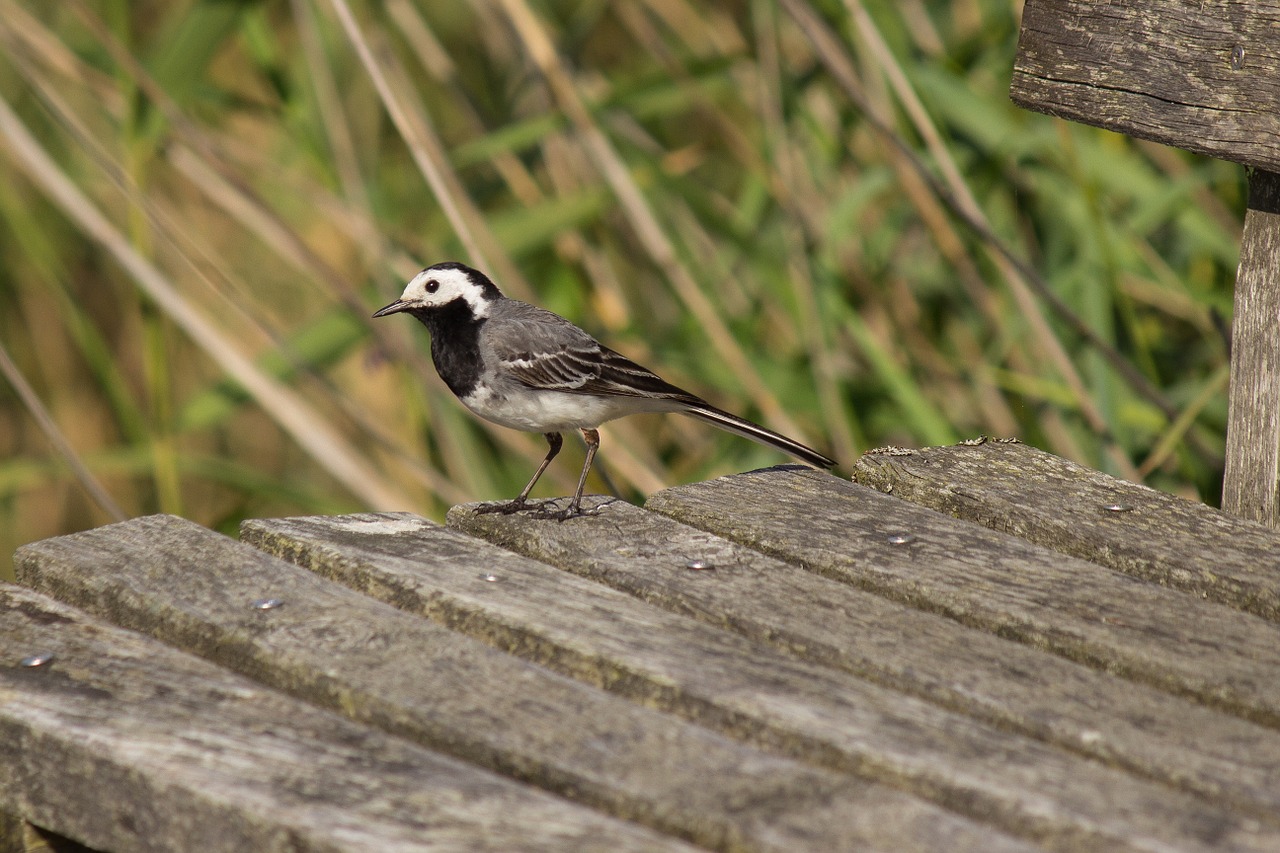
(826, 216)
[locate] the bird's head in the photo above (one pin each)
(443, 284)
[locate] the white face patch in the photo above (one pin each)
(433, 287)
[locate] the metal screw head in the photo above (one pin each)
(900, 538)
(700, 565)
(265, 603)
(1237, 57)
(38, 659)
(489, 577)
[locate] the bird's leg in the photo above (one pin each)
(555, 442)
(592, 437)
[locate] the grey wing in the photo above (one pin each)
(543, 350)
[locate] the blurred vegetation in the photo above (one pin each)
(822, 215)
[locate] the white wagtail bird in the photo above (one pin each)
(524, 367)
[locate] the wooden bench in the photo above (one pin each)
(1204, 77)
(777, 660)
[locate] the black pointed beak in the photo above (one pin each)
(394, 308)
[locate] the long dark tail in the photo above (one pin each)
(745, 428)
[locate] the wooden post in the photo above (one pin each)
(1252, 479)
(1204, 77)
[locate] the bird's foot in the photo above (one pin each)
(508, 508)
(543, 509)
(572, 510)
(538, 509)
(575, 509)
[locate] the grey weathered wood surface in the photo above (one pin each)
(124, 743)
(1017, 489)
(192, 588)
(1023, 689)
(750, 691)
(1200, 76)
(997, 582)
(818, 687)
(1251, 483)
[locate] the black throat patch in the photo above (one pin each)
(455, 344)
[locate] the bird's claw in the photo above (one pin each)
(541, 509)
(573, 510)
(508, 508)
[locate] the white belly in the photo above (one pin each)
(556, 411)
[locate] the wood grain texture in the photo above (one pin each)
(824, 621)
(996, 582)
(338, 648)
(1251, 484)
(123, 743)
(751, 691)
(1200, 76)
(1058, 504)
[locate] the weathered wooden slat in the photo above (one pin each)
(1048, 500)
(996, 582)
(1251, 483)
(1015, 686)
(1200, 76)
(123, 743)
(338, 648)
(752, 691)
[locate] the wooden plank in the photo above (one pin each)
(1200, 76)
(338, 648)
(1053, 502)
(753, 692)
(996, 582)
(123, 743)
(1251, 485)
(1138, 728)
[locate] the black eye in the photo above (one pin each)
(432, 285)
